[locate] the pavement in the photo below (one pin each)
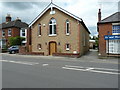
(91, 56)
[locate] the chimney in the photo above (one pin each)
(8, 18)
(99, 15)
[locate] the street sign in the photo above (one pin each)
(111, 37)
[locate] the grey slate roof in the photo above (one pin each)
(112, 18)
(15, 23)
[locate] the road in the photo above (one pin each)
(21, 71)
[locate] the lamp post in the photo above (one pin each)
(108, 42)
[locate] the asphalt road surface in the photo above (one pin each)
(20, 71)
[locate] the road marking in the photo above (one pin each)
(91, 69)
(20, 62)
(45, 64)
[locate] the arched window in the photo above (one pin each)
(52, 27)
(67, 27)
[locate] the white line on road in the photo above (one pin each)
(91, 69)
(20, 62)
(45, 64)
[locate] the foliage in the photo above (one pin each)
(16, 40)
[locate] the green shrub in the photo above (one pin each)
(16, 40)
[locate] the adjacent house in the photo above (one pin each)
(56, 31)
(12, 29)
(109, 34)
(92, 44)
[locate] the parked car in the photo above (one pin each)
(13, 49)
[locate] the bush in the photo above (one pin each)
(16, 40)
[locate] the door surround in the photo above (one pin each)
(52, 50)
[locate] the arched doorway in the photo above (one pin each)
(52, 47)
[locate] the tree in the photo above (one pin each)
(16, 40)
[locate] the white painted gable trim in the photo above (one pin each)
(54, 6)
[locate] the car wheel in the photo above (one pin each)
(12, 52)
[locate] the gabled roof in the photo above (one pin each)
(15, 23)
(54, 6)
(62, 10)
(112, 18)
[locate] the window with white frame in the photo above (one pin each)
(39, 29)
(9, 32)
(67, 47)
(3, 33)
(115, 29)
(23, 32)
(67, 27)
(113, 46)
(52, 27)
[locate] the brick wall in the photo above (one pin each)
(28, 44)
(15, 32)
(103, 30)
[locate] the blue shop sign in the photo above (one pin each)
(111, 37)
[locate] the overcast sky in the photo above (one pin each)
(27, 10)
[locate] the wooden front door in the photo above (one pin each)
(52, 48)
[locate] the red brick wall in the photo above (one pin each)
(15, 32)
(103, 30)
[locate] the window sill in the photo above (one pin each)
(67, 34)
(23, 36)
(39, 35)
(39, 48)
(53, 35)
(67, 49)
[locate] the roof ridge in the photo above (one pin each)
(59, 8)
(110, 16)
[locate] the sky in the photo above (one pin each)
(28, 10)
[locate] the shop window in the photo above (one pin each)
(113, 46)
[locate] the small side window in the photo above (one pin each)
(67, 27)
(39, 47)
(39, 29)
(67, 47)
